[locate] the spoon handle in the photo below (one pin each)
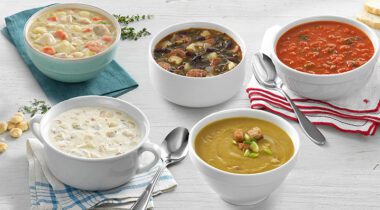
(311, 131)
(142, 202)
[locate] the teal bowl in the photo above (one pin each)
(71, 70)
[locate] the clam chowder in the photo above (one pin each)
(71, 33)
(94, 132)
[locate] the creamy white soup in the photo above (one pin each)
(94, 132)
(71, 33)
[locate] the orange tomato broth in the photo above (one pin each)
(324, 47)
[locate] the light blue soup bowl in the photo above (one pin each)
(72, 70)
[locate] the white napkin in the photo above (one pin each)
(358, 113)
(47, 192)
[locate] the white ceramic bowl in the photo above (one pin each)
(196, 92)
(72, 70)
(331, 86)
(243, 189)
(94, 173)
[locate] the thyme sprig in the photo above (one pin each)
(35, 107)
(131, 18)
(130, 33)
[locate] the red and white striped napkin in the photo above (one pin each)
(356, 113)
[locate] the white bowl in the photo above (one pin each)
(329, 86)
(94, 173)
(196, 92)
(243, 189)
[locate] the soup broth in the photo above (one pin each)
(71, 33)
(218, 145)
(94, 132)
(197, 52)
(324, 47)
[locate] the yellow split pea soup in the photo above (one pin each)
(244, 145)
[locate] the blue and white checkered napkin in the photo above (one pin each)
(46, 192)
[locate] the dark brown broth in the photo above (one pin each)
(197, 52)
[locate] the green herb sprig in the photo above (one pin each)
(130, 33)
(35, 107)
(131, 18)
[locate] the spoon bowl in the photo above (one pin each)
(174, 147)
(272, 81)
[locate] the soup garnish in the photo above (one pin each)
(71, 33)
(197, 52)
(324, 47)
(94, 132)
(244, 145)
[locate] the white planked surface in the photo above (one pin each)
(345, 174)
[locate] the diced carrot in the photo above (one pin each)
(48, 50)
(96, 18)
(61, 34)
(87, 30)
(107, 38)
(93, 46)
(53, 18)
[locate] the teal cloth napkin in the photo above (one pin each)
(114, 81)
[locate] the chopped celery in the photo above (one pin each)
(254, 147)
(267, 150)
(247, 137)
(253, 155)
(247, 153)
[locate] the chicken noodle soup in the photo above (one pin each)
(197, 52)
(94, 132)
(71, 33)
(244, 145)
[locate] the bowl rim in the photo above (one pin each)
(46, 117)
(223, 113)
(109, 16)
(226, 30)
(300, 21)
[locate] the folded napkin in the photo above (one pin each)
(113, 81)
(46, 192)
(357, 113)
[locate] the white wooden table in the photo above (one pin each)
(344, 174)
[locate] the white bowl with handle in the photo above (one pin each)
(95, 173)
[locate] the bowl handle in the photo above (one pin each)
(34, 126)
(154, 149)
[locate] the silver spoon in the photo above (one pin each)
(274, 82)
(173, 150)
